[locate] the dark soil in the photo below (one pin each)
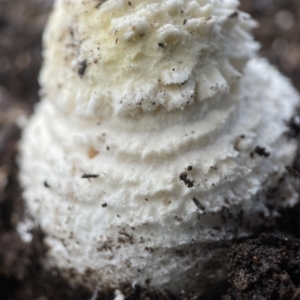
(264, 268)
(278, 33)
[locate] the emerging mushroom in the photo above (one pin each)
(158, 134)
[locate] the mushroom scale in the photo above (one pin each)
(158, 134)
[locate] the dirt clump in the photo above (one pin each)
(264, 268)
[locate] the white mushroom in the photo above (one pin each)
(158, 134)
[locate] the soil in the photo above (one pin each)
(265, 267)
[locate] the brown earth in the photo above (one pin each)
(264, 268)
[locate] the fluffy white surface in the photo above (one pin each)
(170, 181)
(144, 57)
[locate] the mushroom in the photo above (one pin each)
(158, 134)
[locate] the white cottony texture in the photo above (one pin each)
(144, 56)
(143, 174)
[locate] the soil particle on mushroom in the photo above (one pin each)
(82, 68)
(184, 177)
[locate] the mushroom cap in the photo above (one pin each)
(153, 194)
(131, 58)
